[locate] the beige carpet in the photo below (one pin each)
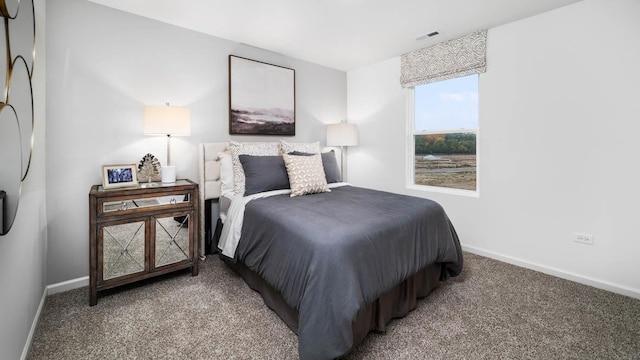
(492, 311)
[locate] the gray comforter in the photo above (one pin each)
(330, 254)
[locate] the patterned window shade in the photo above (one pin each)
(454, 58)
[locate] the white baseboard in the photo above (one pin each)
(600, 284)
(34, 324)
(50, 290)
(67, 285)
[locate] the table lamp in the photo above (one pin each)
(342, 134)
(167, 120)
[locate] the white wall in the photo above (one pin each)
(104, 65)
(23, 249)
(558, 143)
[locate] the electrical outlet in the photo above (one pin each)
(583, 238)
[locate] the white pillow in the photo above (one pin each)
(309, 148)
(226, 174)
(256, 149)
(306, 174)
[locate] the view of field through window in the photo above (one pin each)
(445, 129)
(446, 160)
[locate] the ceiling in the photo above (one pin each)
(341, 34)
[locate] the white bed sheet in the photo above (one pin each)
(224, 203)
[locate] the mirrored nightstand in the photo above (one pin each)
(142, 232)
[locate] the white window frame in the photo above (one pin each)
(410, 152)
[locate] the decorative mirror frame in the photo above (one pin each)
(18, 47)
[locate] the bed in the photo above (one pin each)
(334, 264)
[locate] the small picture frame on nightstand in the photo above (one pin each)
(116, 176)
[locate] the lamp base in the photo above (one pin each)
(168, 174)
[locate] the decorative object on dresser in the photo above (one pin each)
(140, 233)
(17, 56)
(342, 134)
(261, 98)
(149, 170)
(167, 120)
(115, 176)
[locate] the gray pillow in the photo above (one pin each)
(263, 173)
(331, 170)
(329, 162)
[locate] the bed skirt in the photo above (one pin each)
(395, 303)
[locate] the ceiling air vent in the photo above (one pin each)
(431, 34)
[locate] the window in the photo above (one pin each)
(444, 134)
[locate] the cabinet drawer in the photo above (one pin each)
(123, 206)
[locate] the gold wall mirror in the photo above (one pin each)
(17, 56)
(9, 8)
(10, 173)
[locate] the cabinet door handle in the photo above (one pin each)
(123, 205)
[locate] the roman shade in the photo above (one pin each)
(454, 58)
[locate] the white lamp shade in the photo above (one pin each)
(167, 120)
(342, 134)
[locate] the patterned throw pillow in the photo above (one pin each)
(258, 149)
(311, 148)
(329, 163)
(306, 174)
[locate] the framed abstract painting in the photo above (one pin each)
(261, 98)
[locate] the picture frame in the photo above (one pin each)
(261, 98)
(117, 176)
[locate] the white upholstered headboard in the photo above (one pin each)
(209, 180)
